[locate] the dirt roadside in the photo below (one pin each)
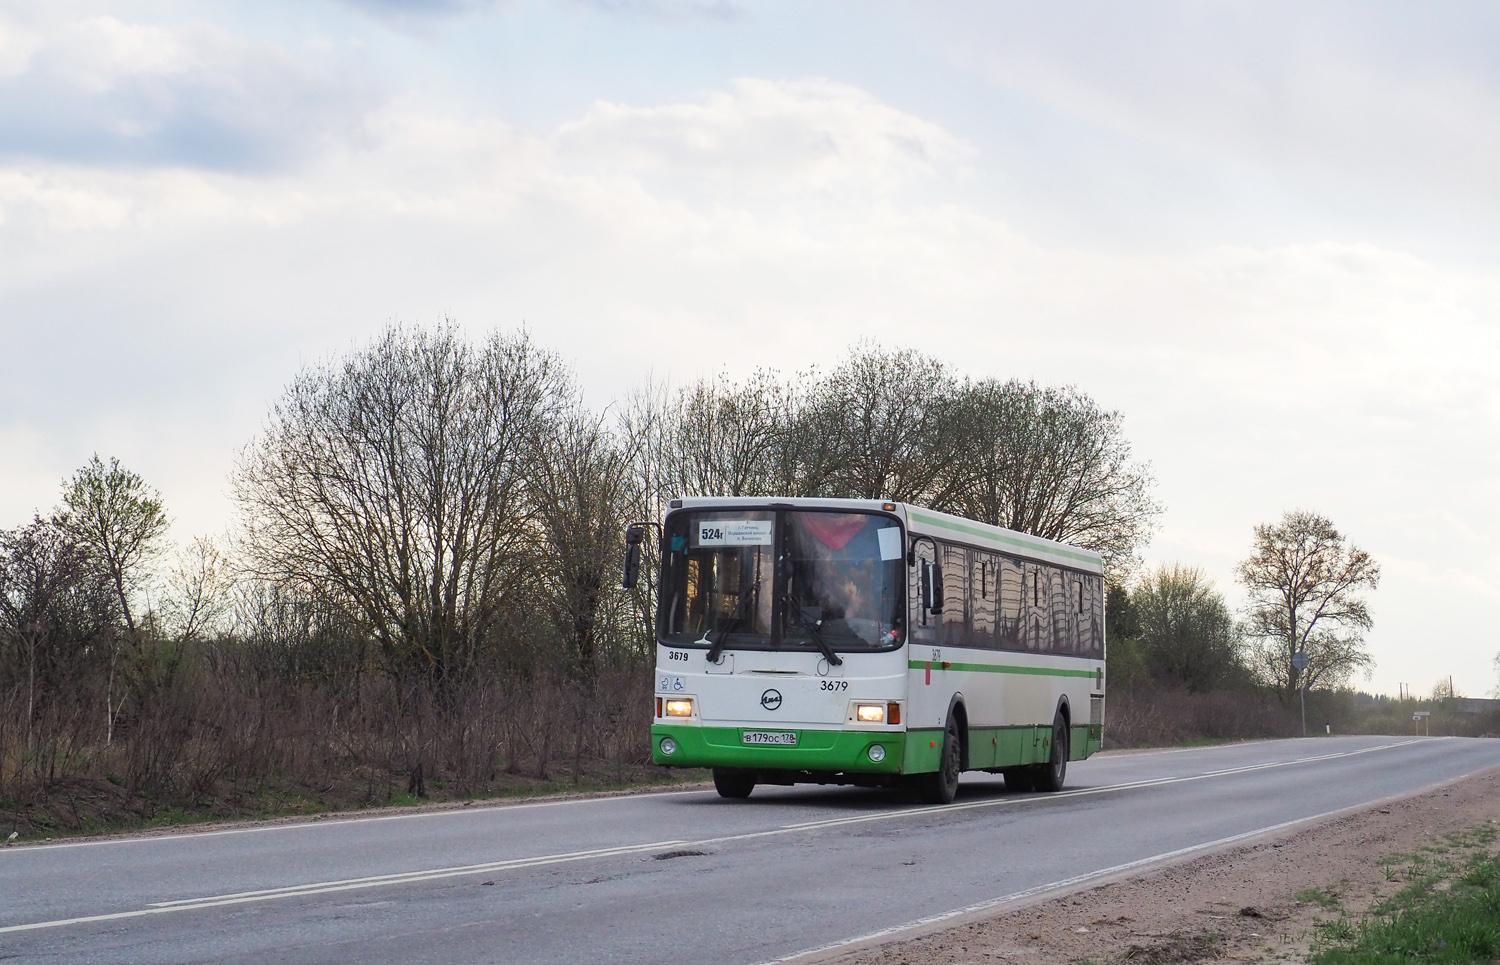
(1235, 905)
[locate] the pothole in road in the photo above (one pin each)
(667, 855)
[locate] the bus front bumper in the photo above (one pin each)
(836, 751)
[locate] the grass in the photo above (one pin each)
(1447, 912)
(1318, 896)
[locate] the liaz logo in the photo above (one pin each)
(710, 534)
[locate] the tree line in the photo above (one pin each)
(423, 577)
(1303, 625)
(422, 583)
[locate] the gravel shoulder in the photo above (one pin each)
(1260, 902)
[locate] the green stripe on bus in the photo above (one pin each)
(1035, 546)
(998, 668)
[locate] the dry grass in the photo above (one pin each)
(218, 739)
(1156, 717)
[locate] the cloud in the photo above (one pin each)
(100, 91)
(670, 10)
(436, 8)
(800, 134)
(1340, 101)
(425, 17)
(420, 15)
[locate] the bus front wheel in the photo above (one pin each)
(733, 784)
(941, 786)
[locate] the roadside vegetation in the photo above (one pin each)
(1183, 670)
(1447, 910)
(420, 599)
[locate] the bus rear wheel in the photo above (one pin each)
(1050, 776)
(733, 784)
(941, 786)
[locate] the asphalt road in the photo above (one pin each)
(678, 877)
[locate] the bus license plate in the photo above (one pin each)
(784, 738)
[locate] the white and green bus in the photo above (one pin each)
(851, 641)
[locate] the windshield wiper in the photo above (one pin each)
(834, 660)
(718, 645)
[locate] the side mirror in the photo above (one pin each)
(932, 588)
(633, 536)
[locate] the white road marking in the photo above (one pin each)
(376, 881)
(347, 884)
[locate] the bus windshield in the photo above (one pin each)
(839, 583)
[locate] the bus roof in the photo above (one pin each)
(926, 522)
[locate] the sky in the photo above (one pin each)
(1264, 232)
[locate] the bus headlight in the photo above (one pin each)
(870, 713)
(680, 707)
(668, 746)
(877, 753)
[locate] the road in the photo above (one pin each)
(674, 877)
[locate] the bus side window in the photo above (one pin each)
(1040, 611)
(1096, 617)
(1010, 622)
(955, 632)
(1064, 620)
(983, 589)
(921, 625)
(1080, 618)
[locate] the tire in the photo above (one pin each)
(733, 784)
(1050, 776)
(941, 786)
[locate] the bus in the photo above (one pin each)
(873, 643)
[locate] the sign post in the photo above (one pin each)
(1299, 662)
(1423, 718)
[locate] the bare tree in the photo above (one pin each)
(395, 482)
(56, 606)
(1050, 462)
(580, 493)
(900, 425)
(878, 427)
(733, 440)
(121, 521)
(1305, 583)
(643, 426)
(1496, 692)
(1186, 630)
(199, 590)
(713, 437)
